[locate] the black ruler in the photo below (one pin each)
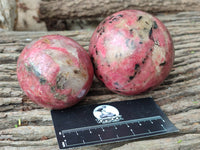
(110, 122)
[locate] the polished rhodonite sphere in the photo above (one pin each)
(54, 71)
(132, 52)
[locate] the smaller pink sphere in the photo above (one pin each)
(132, 52)
(54, 71)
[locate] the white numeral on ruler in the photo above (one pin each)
(63, 144)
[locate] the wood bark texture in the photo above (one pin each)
(178, 96)
(83, 14)
(27, 16)
(7, 14)
(67, 9)
(38, 15)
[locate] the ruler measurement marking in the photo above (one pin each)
(99, 137)
(63, 144)
(110, 124)
(102, 129)
(132, 132)
(76, 133)
(163, 127)
(90, 131)
(127, 125)
(83, 142)
(107, 140)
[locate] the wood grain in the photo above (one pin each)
(66, 9)
(84, 14)
(178, 96)
(8, 14)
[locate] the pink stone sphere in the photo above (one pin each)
(54, 71)
(132, 52)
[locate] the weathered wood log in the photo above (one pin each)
(7, 14)
(55, 147)
(187, 121)
(10, 92)
(27, 133)
(178, 96)
(9, 100)
(28, 118)
(79, 14)
(27, 16)
(48, 142)
(7, 58)
(180, 142)
(86, 9)
(20, 15)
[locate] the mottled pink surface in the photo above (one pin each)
(55, 72)
(132, 52)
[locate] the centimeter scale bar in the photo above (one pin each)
(114, 131)
(110, 122)
(114, 124)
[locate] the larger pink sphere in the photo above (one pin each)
(55, 71)
(132, 52)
